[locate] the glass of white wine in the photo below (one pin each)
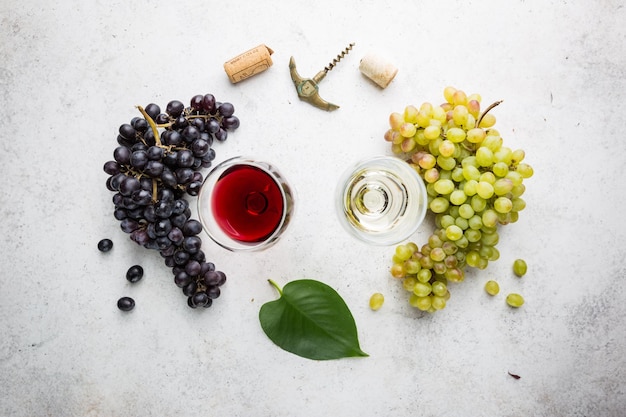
(381, 200)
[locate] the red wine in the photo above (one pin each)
(247, 203)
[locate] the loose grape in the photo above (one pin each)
(134, 273)
(520, 267)
(125, 303)
(515, 300)
(376, 301)
(105, 245)
(492, 287)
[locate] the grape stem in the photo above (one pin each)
(153, 125)
(275, 285)
(487, 110)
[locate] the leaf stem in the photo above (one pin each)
(275, 285)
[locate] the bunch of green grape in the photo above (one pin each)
(474, 183)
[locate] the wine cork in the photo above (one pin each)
(249, 63)
(377, 69)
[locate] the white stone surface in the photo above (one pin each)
(71, 72)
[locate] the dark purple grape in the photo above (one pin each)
(129, 225)
(213, 126)
(192, 227)
(168, 178)
(139, 159)
(211, 278)
(164, 208)
(125, 303)
(153, 110)
(140, 124)
(193, 268)
(154, 168)
(192, 244)
(162, 227)
(111, 167)
(154, 153)
(222, 278)
(221, 135)
(193, 189)
(140, 237)
(180, 206)
(105, 245)
(174, 108)
(184, 175)
(199, 299)
(127, 131)
(190, 289)
(190, 133)
(162, 119)
(230, 123)
(176, 235)
(134, 273)
(181, 257)
(196, 102)
(143, 198)
(226, 109)
(122, 155)
(208, 103)
(182, 279)
(185, 158)
(180, 123)
(213, 292)
(199, 147)
(129, 185)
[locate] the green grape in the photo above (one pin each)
(490, 239)
(478, 203)
(500, 169)
(492, 287)
(408, 283)
(412, 266)
(470, 172)
(446, 220)
(503, 154)
(502, 205)
(525, 170)
(423, 303)
(410, 114)
(422, 289)
(502, 186)
(398, 271)
(431, 175)
(475, 222)
(484, 189)
(469, 188)
(408, 130)
(515, 300)
(462, 223)
(449, 248)
(434, 241)
(437, 254)
(458, 197)
(518, 190)
(473, 235)
(457, 174)
(487, 177)
(439, 205)
(484, 156)
(516, 177)
(455, 134)
(490, 218)
(469, 160)
(518, 156)
(447, 163)
(443, 186)
(447, 148)
(466, 211)
(438, 303)
(424, 275)
(518, 204)
(439, 288)
(454, 232)
(432, 132)
(520, 267)
(403, 252)
(376, 301)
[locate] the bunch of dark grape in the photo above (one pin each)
(156, 165)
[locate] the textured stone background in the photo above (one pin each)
(71, 73)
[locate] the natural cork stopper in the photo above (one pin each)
(249, 63)
(377, 69)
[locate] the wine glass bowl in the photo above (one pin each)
(381, 200)
(245, 204)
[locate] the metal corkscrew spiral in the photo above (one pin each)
(335, 61)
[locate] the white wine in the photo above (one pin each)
(381, 200)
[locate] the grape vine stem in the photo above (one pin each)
(487, 110)
(153, 125)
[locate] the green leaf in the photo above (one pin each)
(310, 319)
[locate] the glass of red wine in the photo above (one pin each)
(245, 204)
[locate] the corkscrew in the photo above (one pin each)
(308, 88)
